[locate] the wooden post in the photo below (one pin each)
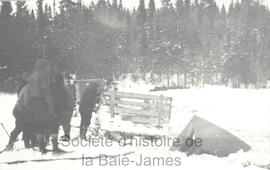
(160, 110)
(170, 109)
(113, 94)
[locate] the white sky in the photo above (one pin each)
(134, 3)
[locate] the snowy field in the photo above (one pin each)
(245, 113)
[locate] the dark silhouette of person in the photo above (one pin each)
(90, 97)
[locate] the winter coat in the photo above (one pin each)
(59, 94)
(70, 99)
(89, 99)
(40, 88)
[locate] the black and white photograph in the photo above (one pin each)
(149, 84)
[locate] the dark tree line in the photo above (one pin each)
(194, 40)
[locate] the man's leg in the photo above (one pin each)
(83, 128)
(15, 133)
(33, 133)
(54, 140)
(27, 128)
(41, 140)
(81, 122)
(29, 135)
(86, 123)
(53, 131)
(39, 109)
(26, 138)
(33, 139)
(42, 134)
(66, 124)
(42, 126)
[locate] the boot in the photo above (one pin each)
(26, 139)
(10, 145)
(54, 139)
(26, 143)
(33, 141)
(42, 143)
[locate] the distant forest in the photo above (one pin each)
(195, 41)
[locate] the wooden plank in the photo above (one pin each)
(133, 95)
(129, 103)
(135, 112)
(143, 120)
(126, 114)
(135, 103)
(126, 117)
(144, 106)
(136, 96)
(88, 80)
(139, 108)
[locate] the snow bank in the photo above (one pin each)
(245, 113)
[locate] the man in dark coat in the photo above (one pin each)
(40, 100)
(68, 112)
(24, 122)
(59, 98)
(89, 98)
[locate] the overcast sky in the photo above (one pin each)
(134, 3)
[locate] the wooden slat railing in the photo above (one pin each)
(139, 108)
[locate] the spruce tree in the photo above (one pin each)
(6, 9)
(152, 10)
(141, 14)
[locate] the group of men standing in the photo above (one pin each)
(45, 102)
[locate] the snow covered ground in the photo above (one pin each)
(245, 113)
